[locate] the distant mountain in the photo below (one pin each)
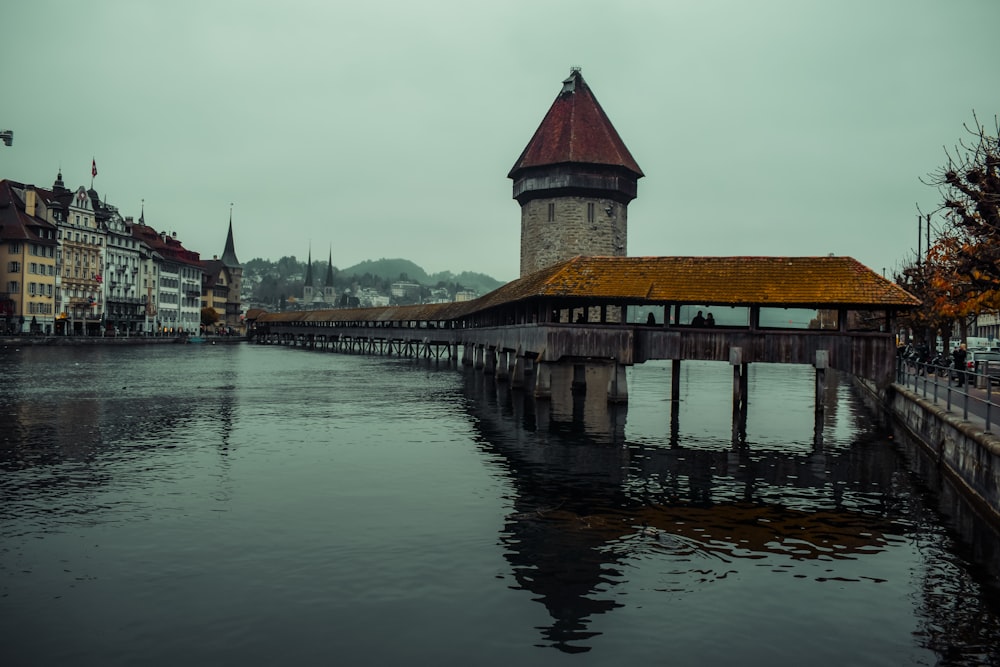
(389, 269)
(392, 269)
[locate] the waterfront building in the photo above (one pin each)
(122, 284)
(574, 181)
(80, 259)
(150, 262)
(28, 249)
(223, 284)
(173, 281)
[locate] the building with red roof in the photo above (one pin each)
(27, 260)
(574, 181)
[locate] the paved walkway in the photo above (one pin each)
(979, 406)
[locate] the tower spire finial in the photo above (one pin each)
(229, 253)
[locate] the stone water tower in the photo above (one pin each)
(574, 181)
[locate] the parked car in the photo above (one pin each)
(986, 362)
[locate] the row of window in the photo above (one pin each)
(14, 248)
(591, 214)
(42, 269)
(40, 308)
(77, 273)
(76, 237)
(122, 241)
(40, 289)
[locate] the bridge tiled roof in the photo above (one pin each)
(806, 282)
(783, 281)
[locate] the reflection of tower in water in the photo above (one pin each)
(586, 503)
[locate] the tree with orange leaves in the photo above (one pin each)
(969, 183)
(957, 291)
(927, 321)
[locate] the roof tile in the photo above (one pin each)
(575, 130)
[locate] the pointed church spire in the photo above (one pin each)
(329, 270)
(309, 269)
(229, 254)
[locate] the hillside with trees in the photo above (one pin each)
(271, 284)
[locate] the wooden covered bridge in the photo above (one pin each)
(829, 312)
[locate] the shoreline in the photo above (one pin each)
(25, 341)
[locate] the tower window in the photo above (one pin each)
(590, 211)
(552, 212)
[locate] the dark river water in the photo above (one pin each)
(258, 505)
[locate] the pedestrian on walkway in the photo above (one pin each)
(959, 357)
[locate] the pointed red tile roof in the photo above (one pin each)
(15, 223)
(575, 130)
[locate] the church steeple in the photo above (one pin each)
(328, 291)
(329, 270)
(229, 254)
(307, 287)
(309, 268)
(574, 181)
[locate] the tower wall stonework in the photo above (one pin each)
(571, 231)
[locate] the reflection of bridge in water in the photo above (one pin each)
(586, 502)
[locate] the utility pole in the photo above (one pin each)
(920, 236)
(928, 233)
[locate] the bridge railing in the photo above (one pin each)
(968, 391)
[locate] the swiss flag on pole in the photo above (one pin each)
(93, 167)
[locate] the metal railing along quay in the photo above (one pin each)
(974, 396)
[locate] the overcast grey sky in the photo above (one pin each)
(386, 129)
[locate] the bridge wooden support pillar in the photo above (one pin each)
(517, 371)
(489, 360)
(675, 381)
(740, 372)
(618, 384)
(479, 355)
(579, 383)
(467, 354)
(502, 371)
(543, 379)
(822, 361)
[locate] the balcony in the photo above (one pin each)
(124, 299)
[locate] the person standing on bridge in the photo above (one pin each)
(698, 320)
(958, 357)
